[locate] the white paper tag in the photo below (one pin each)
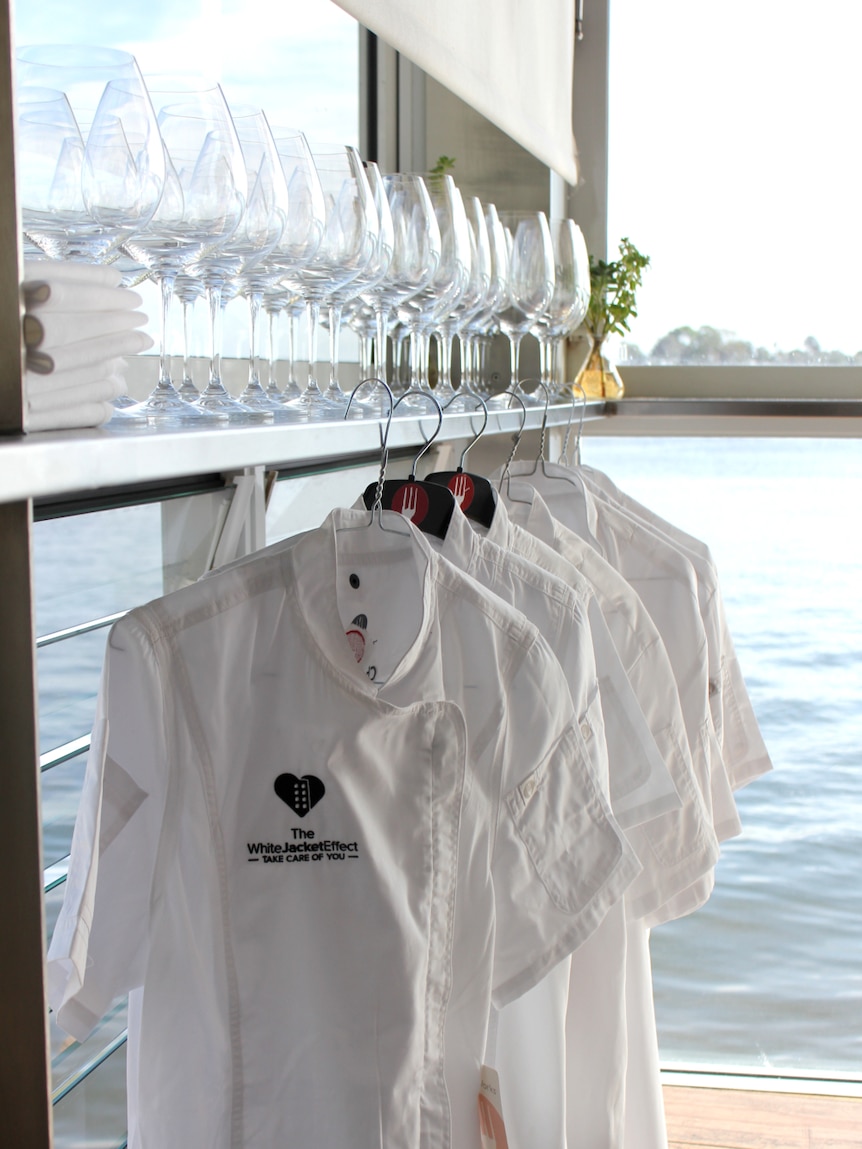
(491, 1127)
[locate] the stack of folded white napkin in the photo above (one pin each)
(79, 325)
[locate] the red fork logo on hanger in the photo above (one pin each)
(463, 488)
(411, 502)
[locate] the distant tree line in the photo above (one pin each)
(708, 345)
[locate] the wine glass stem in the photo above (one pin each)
(312, 312)
(271, 382)
(545, 362)
(253, 313)
(415, 358)
(290, 357)
(166, 285)
(214, 301)
(380, 343)
(514, 358)
(444, 361)
(335, 313)
(187, 367)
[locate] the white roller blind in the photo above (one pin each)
(511, 60)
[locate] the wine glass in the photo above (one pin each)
(300, 239)
(568, 304)
(364, 287)
(103, 170)
(346, 248)
(529, 282)
(228, 269)
(416, 254)
(421, 311)
(201, 206)
(377, 222)
(466, 307)
(476, 335)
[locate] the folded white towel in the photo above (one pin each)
(65, 381)
(88, 352)
(62, 271)
(63, 418)
(51, 330)
(99, 391)
(40, 295)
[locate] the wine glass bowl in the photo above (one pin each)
(99, 134)
(529, 280)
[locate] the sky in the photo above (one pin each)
(735, 164)
(297, 59)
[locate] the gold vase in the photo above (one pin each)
(599, 377)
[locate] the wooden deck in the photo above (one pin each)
(738, 1119)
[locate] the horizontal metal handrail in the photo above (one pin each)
(87, 1068)
(55, 874)
(63, 753)
(81, 628)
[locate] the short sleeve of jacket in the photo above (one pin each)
(98, 949)
(560, 861)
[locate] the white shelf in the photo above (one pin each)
(68, 462)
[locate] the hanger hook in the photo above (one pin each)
(428, 442)
(479, 402)
(377, 505)
(544, 431)
(577, 452)
(564, 453)
(517, 437)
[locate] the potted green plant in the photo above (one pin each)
(613, 286)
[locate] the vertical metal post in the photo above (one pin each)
(11, 349)
(25, 1110)
(589, 201)
(412, 123)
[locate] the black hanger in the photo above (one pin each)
(428, 506)
(473, 493)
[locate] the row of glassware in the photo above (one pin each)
(166, 181)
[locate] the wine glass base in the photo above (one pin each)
(316, 409)
(259, 400)
(232, 410)
(165, 407)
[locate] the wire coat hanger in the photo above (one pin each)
(376, 503)
(429, 506)
(516, 439)
(564, 453)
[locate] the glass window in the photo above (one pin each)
(732, 165)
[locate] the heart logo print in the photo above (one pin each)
(301, 794)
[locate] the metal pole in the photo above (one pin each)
(25, 1111)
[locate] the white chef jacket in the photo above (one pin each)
(680, 848)
(443, 842)
(548, 1063)
(742, 746)
(602, 1045)
(551, 1058)
(666, 584)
